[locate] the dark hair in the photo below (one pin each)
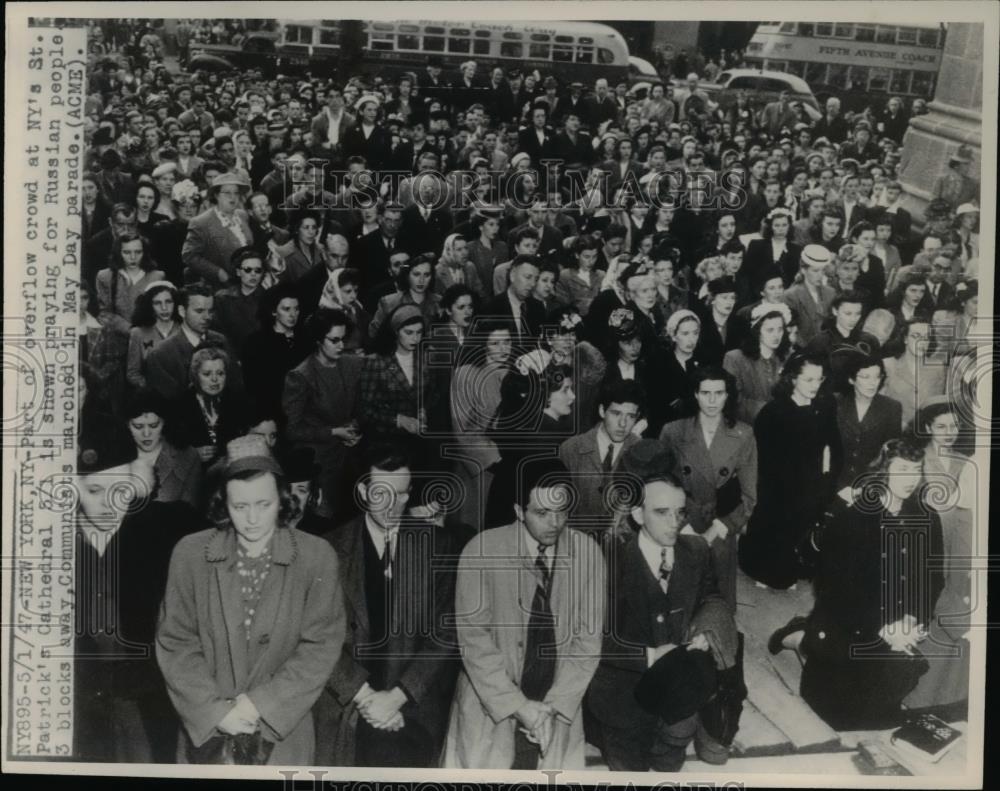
(193, 290)
(791, 370)
(403, 278)
(858, 362)
(322, 321)
(732, 246)
(585, 242)
(385, 456)
(615, 231)
(853, 297)
(859, 228)
(524, 233)
(751, 343)
(271, 299)
(919, 429)
(349, 277)
(622, 391)
(903, 448)
(143, 315)
(716, 373)
(453, 293)
(245, 253)
(538, 473)
(553, 377)
(288, 508)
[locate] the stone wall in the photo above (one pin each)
(955, 118)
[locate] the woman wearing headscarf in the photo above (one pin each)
(341, 293)
(455, 269)
(252, 621)
(875, 593)
(799, 454)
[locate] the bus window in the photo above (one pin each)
(787, 27)
(481, 43)
(900, 81)
(434, 39)
(539, 47)
(562, 51)
(511, 47)
(382, 37)
(298, 34)
(824, 29)
(408, 37)
(815, 73)
(329, 37)
(806, 29)
(878, 79)
(859, 77)
(923, 83)
(458, 40)
(886, 35)
(843, 30)
(928, 38)
(604, 56)
(837, 75)
(906, 35)
(864, 33)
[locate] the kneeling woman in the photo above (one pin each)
(874, 597)
(252, 621)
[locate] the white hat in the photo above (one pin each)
(816, 254)
(967, 208)
(365, 98)
(164, 169)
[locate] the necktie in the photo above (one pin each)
(390, 535)
(516, 310)
(389, 244)
(539, 669)
(609, 459)
(665, 568)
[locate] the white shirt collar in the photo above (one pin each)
(603, 441)
(653, 553)
(532, 546)
(627, 369)
(193, 338)
(378, 535)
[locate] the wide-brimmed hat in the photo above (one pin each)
(230, 179)
(678, 685)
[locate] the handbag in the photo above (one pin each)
(241, 749)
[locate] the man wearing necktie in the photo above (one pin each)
(386, 703)
(662, 598)
(517, 303)
(529, 606)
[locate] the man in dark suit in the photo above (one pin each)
(551, 238)
(371, 256)
(168, 364)
(504, 105)
(329, 128)
(593, 456)
(902, 222)
(432, 87)
(425, 227)
(602, 106)
(849, 204)
(662, 595)
(573, 148)
(366, 138)
(537, 140)
(516, 302)
(940, 293)
(387, 701)
(97, 249)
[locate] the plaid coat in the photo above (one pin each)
(385, 393)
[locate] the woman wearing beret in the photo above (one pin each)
(756, 365)
(799, 455)
(252, 621)
(874, 598)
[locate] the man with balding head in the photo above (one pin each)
(311, 284)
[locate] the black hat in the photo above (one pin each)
(722, 285)
(103, 136)
(111, 159)
(435, 61)
(300, 465)
(678, 685)
(103, 447)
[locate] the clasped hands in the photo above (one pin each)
(537, 723)
(381, 709)
(243, 717)
(904, 634)
(348, 434)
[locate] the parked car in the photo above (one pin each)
(641, 70)
(761, 87)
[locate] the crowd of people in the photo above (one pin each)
(413, 377)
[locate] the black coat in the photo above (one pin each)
(863, 440)
(376, 148)
(190, 422)
(267, 358)
(792, 489)
(370, 257)
(760, 257)
(527, 141)
(532, 313)
(873, 570)
(418, 236)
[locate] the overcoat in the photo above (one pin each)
(496, 582)
(294, 641)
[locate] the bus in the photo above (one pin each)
(850, 59)
(572, 51)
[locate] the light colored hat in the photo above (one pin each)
(249, 454)
(230, 179)
(521, 157)
(763, 309)
(965, 208)
(677, 317)
(365, 98)
(157, 284)
(404, 314)
(164, 169)
(816, 255)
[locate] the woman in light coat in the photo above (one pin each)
(252, 621)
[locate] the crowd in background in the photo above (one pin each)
(726, 303)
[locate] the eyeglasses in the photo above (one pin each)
(251, 270)
(339, 339)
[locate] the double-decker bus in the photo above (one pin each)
(573, 51)
(852, 59)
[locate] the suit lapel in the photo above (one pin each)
(693, 442)
(232, 610)
(354, 575)
(723, 447)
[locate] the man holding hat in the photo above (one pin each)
(811, 299)
(214, 235)
(669, 632)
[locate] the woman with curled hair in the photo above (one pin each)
(475, 396)
(320, 401)
(303, 252)
(154, 319)
(874, 597)
(414, 286)
(775, 248)
(536, 405)
(799, 455)
(756, 365)
(252, 620)
(951, 480)
(130, 270)
(207, 414)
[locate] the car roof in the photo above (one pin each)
(797, 84)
